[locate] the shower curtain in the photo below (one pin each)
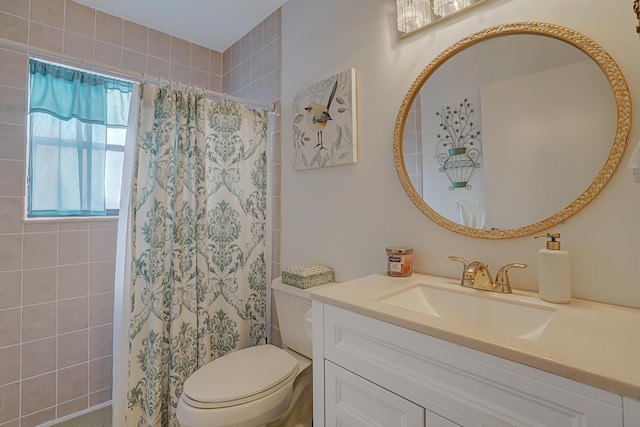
(197, 287)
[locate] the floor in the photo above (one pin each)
(98, 418)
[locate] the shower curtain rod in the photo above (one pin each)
(271, 107)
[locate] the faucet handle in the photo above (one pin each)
(465, 263)
(502, 278)
(462, 260)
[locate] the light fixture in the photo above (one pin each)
(443, 8)
(412, 14)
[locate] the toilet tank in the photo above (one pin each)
(293, 306)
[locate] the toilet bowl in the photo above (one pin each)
(257, 386)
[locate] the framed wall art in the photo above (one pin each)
(324, 123)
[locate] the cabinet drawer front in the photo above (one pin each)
(355, 402)
(631, 412)
(466, 386)
(435, 420)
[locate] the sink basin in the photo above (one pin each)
(503, 314)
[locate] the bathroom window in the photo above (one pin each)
(77, 130)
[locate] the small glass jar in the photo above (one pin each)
(399, 260)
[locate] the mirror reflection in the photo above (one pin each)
(507, 132)
(535, 117)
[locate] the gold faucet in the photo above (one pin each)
(476, 275)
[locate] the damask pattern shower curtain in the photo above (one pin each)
(198, 286)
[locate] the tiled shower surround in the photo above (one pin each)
(56, 278)
(412, 145)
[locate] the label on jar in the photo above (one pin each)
(395, 263)
(399, 264)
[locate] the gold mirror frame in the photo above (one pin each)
(623, 124)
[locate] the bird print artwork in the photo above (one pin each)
(324, 127)
(318, 116)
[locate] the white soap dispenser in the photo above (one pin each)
(554, 272)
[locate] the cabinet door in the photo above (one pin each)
(631, 412)
(435, 420)
(355, 402)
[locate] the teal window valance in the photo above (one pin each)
(68, 93)
(78, 124)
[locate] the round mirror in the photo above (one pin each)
(512, 130)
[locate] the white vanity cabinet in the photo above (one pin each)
(356, 402)
(631, 412)
(372, 373)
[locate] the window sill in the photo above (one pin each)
(70, 219)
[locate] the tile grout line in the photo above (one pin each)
(57, 385)
(88, 278)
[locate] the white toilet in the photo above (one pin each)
(258, 386)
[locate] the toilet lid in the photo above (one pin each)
(240, 377)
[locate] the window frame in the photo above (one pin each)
(86, 144)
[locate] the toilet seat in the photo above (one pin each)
(239, 377)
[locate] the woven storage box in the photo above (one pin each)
(307, 276)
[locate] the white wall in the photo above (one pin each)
(344, 217)
(578, 109)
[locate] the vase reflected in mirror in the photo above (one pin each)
(443, 8)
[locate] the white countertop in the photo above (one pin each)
(593, 343)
